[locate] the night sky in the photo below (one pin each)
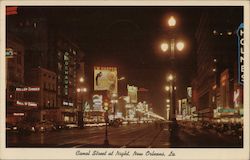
(129, 38)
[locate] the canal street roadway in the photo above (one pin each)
(128, 136)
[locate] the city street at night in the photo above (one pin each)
(132, 136)
(124, 77)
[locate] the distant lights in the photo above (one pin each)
(215, 60)
(167, 88)
(229, 33)
(170, 77)
(214, 69)
(81, 79)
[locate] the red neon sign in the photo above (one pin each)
(11, 11)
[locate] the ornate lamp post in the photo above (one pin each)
(106, 141)
(172, 45)
(80, 93)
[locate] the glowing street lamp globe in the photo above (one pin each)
(106, 106)
(85, 89)
(170, 77)
(81, 79)
(167, 88)
(78, 90)
(164, 47)
(171, 21)
(180, 46)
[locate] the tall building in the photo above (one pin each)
(63, 61)
(216, 52)
(14, 78)
(48, 48)
(45, 97)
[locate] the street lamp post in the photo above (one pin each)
(106, 141)
(81, 90)
(171, 89)
(173, 46)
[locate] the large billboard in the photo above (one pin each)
(105, 78)
(132, 93)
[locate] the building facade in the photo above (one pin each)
(216, 56)
(14, 78)
(45, 81)
(47, 48)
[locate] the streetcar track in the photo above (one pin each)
(155, 137)
(95, 137)
(141, 136)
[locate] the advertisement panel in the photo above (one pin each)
(189, 94)
(132, 93)
(105, 78)
(97, 102)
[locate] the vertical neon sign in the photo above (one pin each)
(240, 34)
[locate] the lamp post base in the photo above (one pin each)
(106, 142)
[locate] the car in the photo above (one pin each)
(25, 127)
(71, 125)
(116, 123)
(44, 126)
(11, 127)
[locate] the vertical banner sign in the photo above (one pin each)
(240, 34)
(66, 73)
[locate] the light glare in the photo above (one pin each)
(171, 21)
(164, 47)
(180, 46)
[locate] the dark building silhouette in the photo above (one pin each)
(216, 54)
(49, 48)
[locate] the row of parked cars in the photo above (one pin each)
(29, 127)
(230, 129)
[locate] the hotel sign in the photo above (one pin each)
(240, 34)
(66, 73)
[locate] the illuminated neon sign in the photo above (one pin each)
(28, 89)
(240, 34)
(66, 73)
(68, 104)
(18, 114)
(24, 103)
